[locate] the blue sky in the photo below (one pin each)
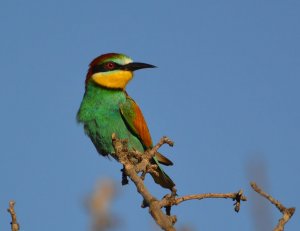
(226, 91)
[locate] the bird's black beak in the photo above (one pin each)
(136, 66)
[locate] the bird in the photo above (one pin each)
(106, 109)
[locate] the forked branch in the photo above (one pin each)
(287, 213)
(135, 162)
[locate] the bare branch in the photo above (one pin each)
(287, 213)
(14, 223)
(164, 221)
(163, 140)
(238, 196)
(135, 162)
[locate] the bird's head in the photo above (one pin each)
(113, 70)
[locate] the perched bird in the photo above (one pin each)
(106, 108)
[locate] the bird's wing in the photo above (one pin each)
(134, 119)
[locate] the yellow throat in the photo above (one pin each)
(114, 79)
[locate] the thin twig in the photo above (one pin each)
(169, 200)
(162, 141)
(14, 223)
(287, 213)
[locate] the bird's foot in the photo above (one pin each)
(124, 177)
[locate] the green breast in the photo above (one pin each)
(99, 112)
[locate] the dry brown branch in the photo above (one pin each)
(287, 213)
(169, 200)
(131, 169)
(121, 151)
(14, 223)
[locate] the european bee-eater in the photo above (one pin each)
(106, 108)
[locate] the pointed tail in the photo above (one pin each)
(163, 179)
(162, 159)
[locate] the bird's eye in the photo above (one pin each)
(110, 66)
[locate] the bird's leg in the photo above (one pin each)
(124, 176)
(144, 204)
(168, 210)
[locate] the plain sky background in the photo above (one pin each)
(226, 91)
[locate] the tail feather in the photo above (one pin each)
(162, 179)
(163, 160)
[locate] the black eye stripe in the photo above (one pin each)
(98, 68)
(104, 68)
